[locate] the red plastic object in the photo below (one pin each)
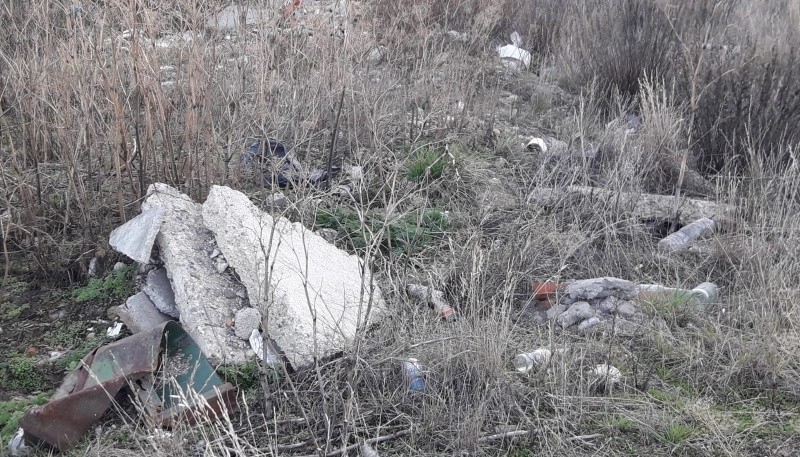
(543, 290)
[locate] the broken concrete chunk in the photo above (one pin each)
(312, 290)
(577, 312)
(589, 289)
(160, 292)
(140, 314)
(247, 320)
(135, 238)
(199, 290)
(588, 323)
(626, 309)
(687, 235)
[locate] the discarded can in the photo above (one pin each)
(536, 359)
(704, 294)
(414, 376)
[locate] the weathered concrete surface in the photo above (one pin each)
(159, 290)
(199, 290)
(293, 275)
(135, 238)
(588, 289)
(140, 314)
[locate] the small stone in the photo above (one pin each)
(588, 323)
(221, 265)
(276, 201)
(608, 304)
(247, 320)
(215, 253)
(626, 309)
(241, 293)
(119, 266)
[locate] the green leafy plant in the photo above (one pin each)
(400, 235)
(117, 284)
(19, 372)
(12, 411)
(678, 433)
(426, 163)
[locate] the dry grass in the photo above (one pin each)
(95, 109)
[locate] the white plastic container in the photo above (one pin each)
(537, 359)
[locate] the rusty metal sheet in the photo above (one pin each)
(166, 352)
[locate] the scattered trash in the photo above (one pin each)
(700, 297)
(187, 387)
(687, 235)
(434, 298)
(605, 377)
(114, 330)
(257, 343)
(92, 268)
(268, 157)
(512, 56)
(17, 447)
(537, 145)
(415, 378)
(539, 358)
(545, 290)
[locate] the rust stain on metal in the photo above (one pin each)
(88, 391)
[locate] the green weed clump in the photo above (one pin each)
(398, 236)
(12, 411)
(116, 285)
(18, 372)
(427, 163)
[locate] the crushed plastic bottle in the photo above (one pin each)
(537, 359)
(415, 378)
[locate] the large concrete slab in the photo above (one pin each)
(135, 238)
(200, 292)
(312, 292)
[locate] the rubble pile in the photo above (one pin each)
(306, 295)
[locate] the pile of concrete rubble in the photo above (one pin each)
(291, 289)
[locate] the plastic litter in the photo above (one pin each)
(257, 343)
(434, 298)
(415, 378)
(114, 330)
(700, 297)
(268, 156)
(536, 144)
(537, 359)
(512, 55)
(17, 447)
